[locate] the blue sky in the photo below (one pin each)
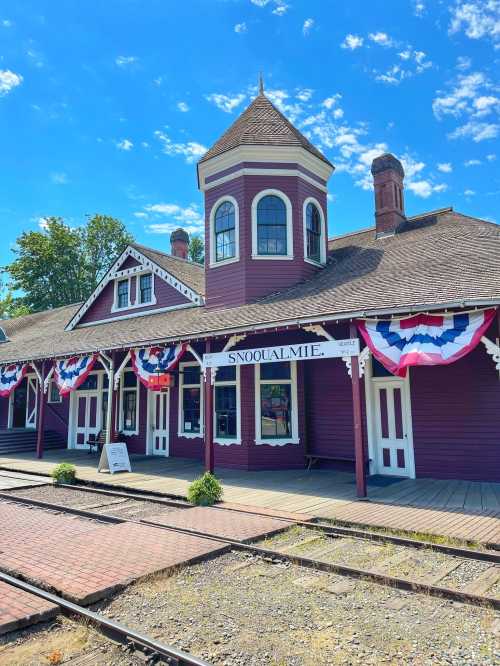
(106, 106)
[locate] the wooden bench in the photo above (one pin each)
(97, 442)
(313, 458)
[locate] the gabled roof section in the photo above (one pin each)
(184, 276)
(3, 336)
(262, 124)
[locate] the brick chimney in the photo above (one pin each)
(388, 175)
(179, 243)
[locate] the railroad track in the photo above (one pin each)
(331, 549)
(153, 650)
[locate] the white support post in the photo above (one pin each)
(47, 380)
(109, 409)
(119, 372)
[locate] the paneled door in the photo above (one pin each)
(393, 440)
(31, 402)
(86, 417)
(159, 418)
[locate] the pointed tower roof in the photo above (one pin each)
(262, 124)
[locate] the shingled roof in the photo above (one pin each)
(262, 124)
(189, 273)
(441, 259)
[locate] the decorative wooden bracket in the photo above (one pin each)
(318, 330)
(493, 350)
(233, 340)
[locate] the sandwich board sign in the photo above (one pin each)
(114, 457)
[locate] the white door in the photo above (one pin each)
(86, 418)
(393, 438)
(159, 418)
(31, 402)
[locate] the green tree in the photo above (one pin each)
(196, 249)
(61, 264)
(9, 306)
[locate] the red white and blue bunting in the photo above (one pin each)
(424, 339)
(10, 377)
(72, 372)
(149, 362)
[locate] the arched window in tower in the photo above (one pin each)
(313, 232)
(271, 226)
(224, 230)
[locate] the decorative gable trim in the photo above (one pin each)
(145, 264)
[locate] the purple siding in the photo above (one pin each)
(166, 296)
(456, 419)
(57, 417)
(249, 279)
(129, 262)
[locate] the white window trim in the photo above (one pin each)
(316, 203)
(227, 441)
(128, 389)
(289, 227)
(294, 439)
(213, 249)
(180, 415)
(49, 393)
(136, 304)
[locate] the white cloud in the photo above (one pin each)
(491, 157)
(43, 223)
(445, 167)
(226, 103)
(141, 215)
(304, 94)
(469, 193)
(125, 61)
(182, 106)
(329, 102)
(477, 131)
(381, 38)
(485, 104)
(352, 42)
(8, 81)
(189, 217)
(281, 8)
(423, 188)
(6, 23)
(307, 27)
(469, 163)
(125, 144)
(260, 3)
(463, 63)
(415, 62)
(419, 8)
(476, 18)
(191, 150)
(240, 28)
(59, 178)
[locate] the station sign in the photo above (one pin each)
(306, 351)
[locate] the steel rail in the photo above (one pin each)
(339, 530)
(110, 628)
(306, 562)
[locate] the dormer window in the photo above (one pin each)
(122, 294)
(314, 232)
(272, 226)
(145, 288)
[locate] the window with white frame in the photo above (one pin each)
(122, 293)
(314, 232)
(227, 405)
(190, 400)
(145, 288)
(276, 403)
(224, 231)
(272, 234)
(129, 403)
(54, 396)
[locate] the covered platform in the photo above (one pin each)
(467, 510)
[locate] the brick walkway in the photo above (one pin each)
(231, 524)
(84, 560)
(19, 609)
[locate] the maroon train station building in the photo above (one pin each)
(273, 278)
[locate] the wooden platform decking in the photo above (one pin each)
(465, 509)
